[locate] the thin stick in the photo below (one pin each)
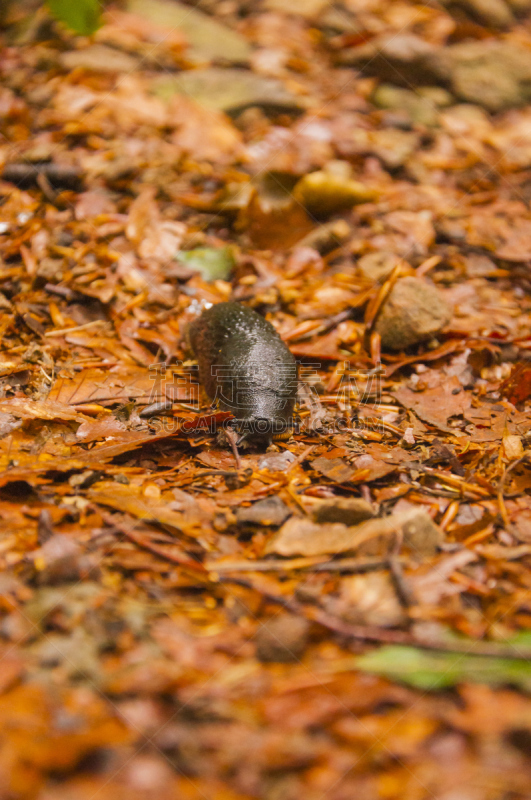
(314, 563)
(501, 491)
(63, 331)
(182, 561)
(231, 436)
(370, 633)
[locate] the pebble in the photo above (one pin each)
(492, 13)
(348, 510)
(413, 313)
(421, 106)
(493, 74)
(271, 511)
(282, 638)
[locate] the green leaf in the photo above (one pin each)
(81, 16)
(214, 263)
(431, 670)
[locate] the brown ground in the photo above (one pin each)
(343, 616)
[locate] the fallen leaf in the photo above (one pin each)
(207, 37)
(432, 671)
(24, 408)
(302, 537)
(437, 405)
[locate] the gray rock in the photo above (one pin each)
(492, 13)
(421, 534)
(398, 58)
(348, 510)
(229, 90)
(495, 75)
(421, 106)
(271, 511)
(413, 313)
(277, 462)
(207, 37)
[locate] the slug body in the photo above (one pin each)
(247, 369)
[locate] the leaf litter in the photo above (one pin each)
(348, 613)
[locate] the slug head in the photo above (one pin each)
(262, 431)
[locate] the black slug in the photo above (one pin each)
(247, 369)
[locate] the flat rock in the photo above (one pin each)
(421, 105)
(397, 58)
(348, 510)
(99, 58)
(271, 511)
(276, 462)
(492, 13)
(303, 537)
(413, 313)
(208, 38)
(229, 90)
(492, 74)
(370, 600)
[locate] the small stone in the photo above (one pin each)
(306, 538)
(421, 105)
(421, 534)
(370, 600)
(282, 638)
(272, 512)
(60, 560)
(495, 75)
(277, 462)
(492, 13)
(378, 266)
(413, 313)
(390, 145)
(348, 510)
(436, 95)
(229, 90)
(208, 38)
(398, 58)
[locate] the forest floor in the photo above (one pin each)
(346, 614)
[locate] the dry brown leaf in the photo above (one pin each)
(301, 537)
